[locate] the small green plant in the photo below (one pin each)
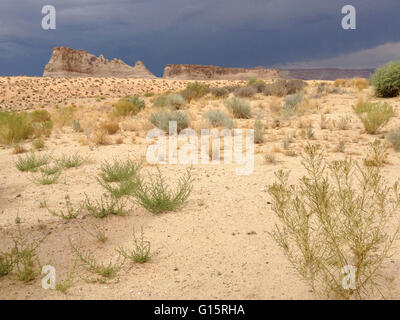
(31, 162)
(128, 106)
(70, 213)
(123, 188)
(105, 207)
(6, 263)
(239, 108)
(161, 120)
(119, 171)
(44, 178)
(25, 256)
(270, 158)
(338, 215)
(374, 116)
(106, 271)
(140, 252)
(377, 155)
(50, 169)
(394, 138)
(386, 80)
(71, 161)
(218, 118)
(156, 195)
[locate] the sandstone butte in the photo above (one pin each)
(199, 72)
(67, 62)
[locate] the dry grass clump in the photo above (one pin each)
(194, 90)
(161, 120)
(64, 115)
(394, 138)
(377, 155)
(218, 118)
(111, 127)
(336, 219)
(15, 127)
(357, 83)
(172, 100)
(281, 88)
(100, 137)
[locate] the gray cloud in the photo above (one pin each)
(224, 32)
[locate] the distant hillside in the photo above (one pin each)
(325, 74)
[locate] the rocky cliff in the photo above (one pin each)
(199, 72)
(326, 73)
(66, 62)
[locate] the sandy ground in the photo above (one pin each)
(216, 247)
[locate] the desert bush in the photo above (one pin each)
(218, 118)
(283, 87)
(156, 195)
(6, 263)
(38, 144)
(76, 126)
(219, 92)
(374, 116)
(31, 162)
(290, 106)
(337, 217)
(343, 123)
(100, 136)
(194, 90)
(377, 154)
(257, 84)
(161, 119)
(15, 127)
(128, 106)
(360, 83)
(111, 127)
(44, 178)
(245, 92)
(386, 80)
(394, 138)
(140, 252)
(239, 108)
(119, 171)
(172, 100)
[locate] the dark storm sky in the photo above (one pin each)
(242, 33)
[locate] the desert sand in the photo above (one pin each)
(217, 245)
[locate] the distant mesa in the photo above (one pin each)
(67, 62)
(326, 73)
(199, 72)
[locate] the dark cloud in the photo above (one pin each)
(221, 32)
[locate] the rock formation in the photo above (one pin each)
(326, 73)
(199, 72)
(66, 62)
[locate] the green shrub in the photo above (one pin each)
(386, 80)
(128, 106)
(195, 90)
(174, 101)
(339, 214)
(40, 116)
(258, 131)
(394, 138)
(140, 253)
(157, 197)
(218, 118)
(105, 207)
(291, 102)
(15, 127)
(374, 116)
(240, 108)
(161, 119)
(119, 171)
(258, 84)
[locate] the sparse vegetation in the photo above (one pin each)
(195, 90)
(105, 206)
(259, 131)
(31, 162)
(15, 127)
(70, 213)
(374, 116)
(157, 197)
(394, 138)
(140, 252)
(70, 161)
(338, 215)
(377, 154)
